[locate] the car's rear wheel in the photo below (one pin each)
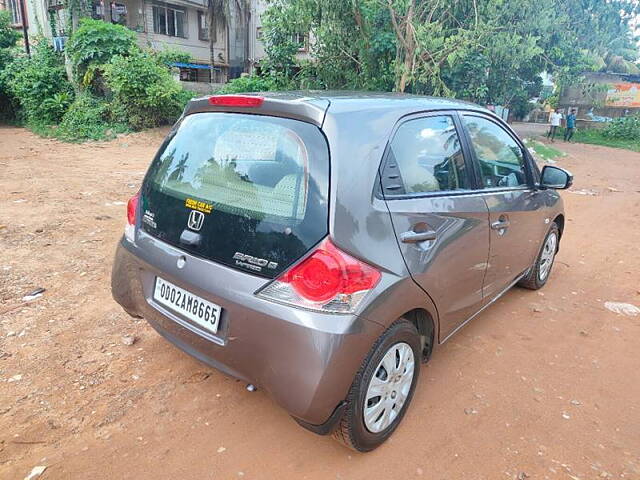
(539, 274)
(382, 389)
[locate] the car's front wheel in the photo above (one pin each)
(539, 273)
(382, 389)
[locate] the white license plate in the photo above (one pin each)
(197, 309)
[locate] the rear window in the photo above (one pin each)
(248, 191)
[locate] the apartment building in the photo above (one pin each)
(177, 24)
(256, 46)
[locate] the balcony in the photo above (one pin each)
(55, 4)
(129, 13)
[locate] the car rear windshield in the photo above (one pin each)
(247, 191)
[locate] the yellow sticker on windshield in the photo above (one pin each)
(198, 205)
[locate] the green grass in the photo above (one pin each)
(89, 132)
(592, 136)
(595, 137)
(545, 151)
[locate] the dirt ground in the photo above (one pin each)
(543, 385)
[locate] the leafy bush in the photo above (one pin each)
(32, 82)
(624, 128)
(249, 83)
(56, 106)
(144, 92)
(87, 119)
(169, 56)
(8, 107)
(96, 42)
(8, 38)
(8, 35)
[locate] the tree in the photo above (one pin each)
(95, 42)
(490, 51)
(218, 14)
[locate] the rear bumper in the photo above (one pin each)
(305, 361)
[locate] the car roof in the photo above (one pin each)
(313, 105)
(347, 99)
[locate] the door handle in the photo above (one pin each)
(501, 224)
(415, 237)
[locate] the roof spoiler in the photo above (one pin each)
(310, 110)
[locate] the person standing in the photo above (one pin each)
(554, 119)
(571, 125)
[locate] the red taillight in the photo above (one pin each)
(236, 100)
(328, 280)
(329, 272)
(319, 278)
(132, 208)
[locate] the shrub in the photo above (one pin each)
(8, 107)
(249, 83)
(8, 35)
(96, 42)
(38, 84)
(8, 38)
(624, 128)
(144, 92)
(169, 56)
(87, 119)
(55, 107)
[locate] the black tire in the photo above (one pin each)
(351, 429)
(533, 281)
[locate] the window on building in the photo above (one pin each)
(301, 40)
(169, 20)
(97, 10)
(203, 27)
(188, 75)
(14, 8)
(259, 33)
(119, 13)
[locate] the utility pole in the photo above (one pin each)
(25, 33)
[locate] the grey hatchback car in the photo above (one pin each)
(320, 245)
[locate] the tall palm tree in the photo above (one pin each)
(218, 15)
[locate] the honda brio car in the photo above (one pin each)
(320, 245)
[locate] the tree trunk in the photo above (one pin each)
(246, 16)
(212, 56)
(407, 67)
(211, 24)
(106, 14)
(407, 45)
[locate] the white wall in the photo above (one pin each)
(256, 47)
(38, 18)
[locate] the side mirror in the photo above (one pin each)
(555, 177)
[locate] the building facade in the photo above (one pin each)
(175, 24)
(603, 96)
(256, 45)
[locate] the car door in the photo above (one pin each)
(441, 223)
(516, 218)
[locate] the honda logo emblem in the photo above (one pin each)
(196, 219)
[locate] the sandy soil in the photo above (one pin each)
(542, 385)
